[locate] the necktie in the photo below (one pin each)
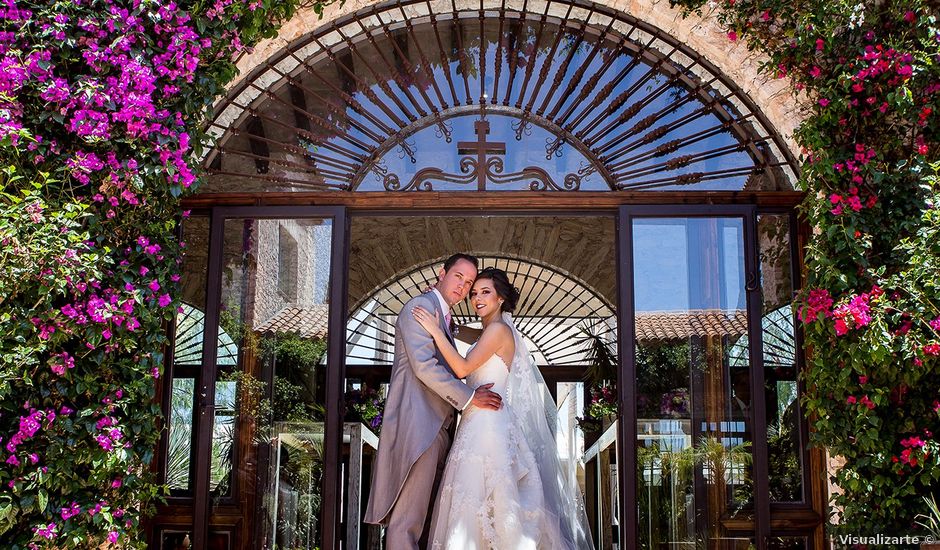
(447, 319)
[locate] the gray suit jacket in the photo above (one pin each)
(422, 396)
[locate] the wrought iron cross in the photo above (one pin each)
(480, 148)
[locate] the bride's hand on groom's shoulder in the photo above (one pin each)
(430, 322)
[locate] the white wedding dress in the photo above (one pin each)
(503, 487)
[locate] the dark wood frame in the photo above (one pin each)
(799, 519)
(335, 351)
(626, 385)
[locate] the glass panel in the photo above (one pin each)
(785, 464)
(187, 357)
(694, 440)
(223, 439)
(781, 395)
(787, 543)
(179, 475)
(268, 438)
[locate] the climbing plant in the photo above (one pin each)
(102, 107)
(868, 75)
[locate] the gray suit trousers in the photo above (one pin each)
(409, 521)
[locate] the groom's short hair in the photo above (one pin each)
(449, 262)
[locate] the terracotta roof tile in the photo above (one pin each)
(678, 325)
(307, 322)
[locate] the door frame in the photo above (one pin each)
(627, 352)
(205, 395)
(343, 207)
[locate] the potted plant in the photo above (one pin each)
(931, 522)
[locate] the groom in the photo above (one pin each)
(419, 411)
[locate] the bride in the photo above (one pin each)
(504, 486)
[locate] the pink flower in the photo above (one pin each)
(867, 402)
(823, 102)
(851, 400)
(863, 380)
(117, 483)
(815, 72)
(132, 324)
(46, 531)
(732, 36)
(70, 512)
(164, 300)
(154, 285)
(818, 301)
(820, 44)
(46, 331)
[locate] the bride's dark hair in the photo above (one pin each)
(504, 288)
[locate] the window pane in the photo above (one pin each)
(189, 322)
(784, 445)
(694, 439)
(268, 435)
(179, 450)
(787, 543)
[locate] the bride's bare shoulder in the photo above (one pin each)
(499, 329)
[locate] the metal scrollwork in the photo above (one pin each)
(482, 163)
(522, 127)
(553, 147)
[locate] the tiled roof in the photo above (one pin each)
(673, 325)
(307, 322)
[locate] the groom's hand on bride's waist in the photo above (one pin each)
(486, 399)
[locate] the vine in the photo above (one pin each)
(102, 107)
(870, 309)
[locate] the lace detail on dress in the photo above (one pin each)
(491, 494)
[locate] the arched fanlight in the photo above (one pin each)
(554, 313)
(560, 96)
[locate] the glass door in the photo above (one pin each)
(267, 443)
(697, 412)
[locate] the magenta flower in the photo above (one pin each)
(46, 531)
(69, 512)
